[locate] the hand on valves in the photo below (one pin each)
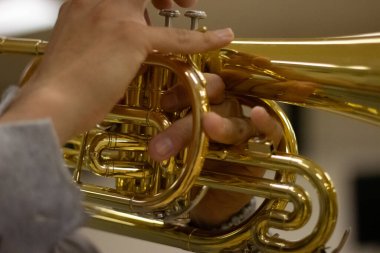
(92, 63)
(225, 124)
(96, 49)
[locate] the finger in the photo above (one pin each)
(177, 98)
(185, 41)
(147, 18)
(227, 130)
(166, 4)
(162, 4)
(215, 88)
(230, 107)
(68, 12)
(266, 125)
(178, 136)
(172, 140)
(186, 3)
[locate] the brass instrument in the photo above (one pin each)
(152, 200)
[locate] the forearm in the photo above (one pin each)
(66, 112)
(37, 107)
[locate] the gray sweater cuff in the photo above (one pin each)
(39, 203)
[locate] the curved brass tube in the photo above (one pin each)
(338, 74)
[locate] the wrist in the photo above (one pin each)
(40, 102)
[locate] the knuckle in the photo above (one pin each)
(182, 37)
(78, 4)
(207, 38)
(136, 35)
(242, 131)
(70, 10)
(64, 7)
(100, 11)
(185, 3)
(215, 89)
(181, 132)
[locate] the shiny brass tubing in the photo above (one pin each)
(315, 175)
(22, 46)
(104, 167)
(337, 74)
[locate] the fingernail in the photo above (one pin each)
(163, 146)
(224, 34)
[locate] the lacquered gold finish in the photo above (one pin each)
(151, 200)
(339, 74)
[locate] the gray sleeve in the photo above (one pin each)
(39, 204)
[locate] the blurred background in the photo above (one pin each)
(347, 149)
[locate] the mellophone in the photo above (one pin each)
(152, 200)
